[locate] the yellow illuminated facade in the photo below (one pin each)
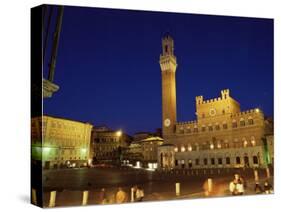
(59, 142)
(221, 136)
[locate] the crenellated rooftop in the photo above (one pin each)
(224, 95)
(247, 112)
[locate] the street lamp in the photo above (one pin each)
(119, 133)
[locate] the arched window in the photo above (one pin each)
(210, 128)
(189, 148)
(181, 130)
(219, 144)
(226, 144)
(197, 146)
(250, 121)
(203, 128)
(227, 160)
(217, 126)
(205, 161)
(224, 125)
(242, 122)
(245, 142)
(238, 160)
(253, 141)
(188, 130)
(235, 143)
(182, 149)
(212, 146)
(234, 124)
(255, 160)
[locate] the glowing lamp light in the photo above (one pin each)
(46, 149)
(119, 133)
(253, 142)
(212, 146)
(83, 150)
(137, 165)
(89, 161)
(183, 149)
(257, 110)
(189, 148)
(176, 149)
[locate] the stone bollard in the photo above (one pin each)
(85, 197)
(132, 194)
(33, 196)
(177, 189)
(52, 202)
(256, 174)
(219, 171)
(210, 185)
(267, 172)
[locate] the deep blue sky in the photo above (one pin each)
(108, 65)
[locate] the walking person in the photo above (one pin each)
(121, 196)
(240, 187)
(268, 189)
(103, 197)
(139, 194)
(133, 193)
(233, 185)
(258, 188)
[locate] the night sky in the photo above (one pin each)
(109, 74)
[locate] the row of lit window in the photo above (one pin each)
(219, 161)
(71, 158)
(217, 126)
(97, 140)
(219, 145)
(62, 134)
(105, 148)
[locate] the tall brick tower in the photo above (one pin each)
(168, 64)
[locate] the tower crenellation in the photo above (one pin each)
(225, 93)
(167, 45)
(199, 100)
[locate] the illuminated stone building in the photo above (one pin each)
(59, 142)
(144, 151)
(221, 136)
(107, 144)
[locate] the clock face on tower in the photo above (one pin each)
(212, 112)
(167, 122)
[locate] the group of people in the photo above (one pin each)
(121, 196)
(267, 188)
(137, 194)
(237, 186)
